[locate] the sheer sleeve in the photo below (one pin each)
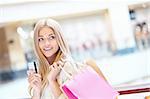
(62, 96)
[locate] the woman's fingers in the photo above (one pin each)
(56, 65)
(37, 75)
(30, 72)
(60, 64)
(63, 60)
(36, 82)
(33, 77)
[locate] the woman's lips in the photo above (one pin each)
(47, 49)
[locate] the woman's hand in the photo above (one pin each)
(34, 80)
(55, 70)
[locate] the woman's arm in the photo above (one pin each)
(34, 80)
(57, 92)
(52, 78)
(55, 89)
(92, 63)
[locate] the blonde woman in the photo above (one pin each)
(50, 48)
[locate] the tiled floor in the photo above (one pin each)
(17, 89)
(135, 96)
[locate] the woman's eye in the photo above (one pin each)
(41, 39)
(51, 37)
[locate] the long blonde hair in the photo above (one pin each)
(64, 49)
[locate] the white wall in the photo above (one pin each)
(83, 28)
(123, 69)
(121, 27)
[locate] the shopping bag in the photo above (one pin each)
(87, 84)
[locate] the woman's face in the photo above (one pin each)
(138, 29)
(47, 41)
(144, 29)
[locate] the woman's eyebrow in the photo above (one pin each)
(40, 36)
(48, 35)
(51, 34)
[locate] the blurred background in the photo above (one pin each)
(114, 33)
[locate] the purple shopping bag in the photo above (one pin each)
(87, 84)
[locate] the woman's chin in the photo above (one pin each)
(48, 54)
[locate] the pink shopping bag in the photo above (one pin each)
(87, 84)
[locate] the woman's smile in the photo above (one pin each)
(48, 49)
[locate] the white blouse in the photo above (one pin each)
(61, 78)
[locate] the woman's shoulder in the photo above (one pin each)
(62, 77)
(90, 62)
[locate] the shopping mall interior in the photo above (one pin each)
(115, 33)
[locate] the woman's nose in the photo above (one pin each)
(47, 42)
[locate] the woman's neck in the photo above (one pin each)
(52, 58)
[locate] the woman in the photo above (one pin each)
(138, 36)
(145, 35)
(50, 48)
